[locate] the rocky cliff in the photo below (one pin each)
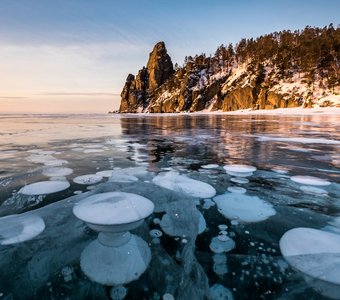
(234, 78)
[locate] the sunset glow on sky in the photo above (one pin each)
(74, 56)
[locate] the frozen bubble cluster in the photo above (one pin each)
(244, 208)
(239, 180)
(210, 166)
(88, 179)
(113, 208)
(310, 180)
(239, 170)
(313, 252)
(312, 190)
(181, 183)
(20, 228)
(44, 187)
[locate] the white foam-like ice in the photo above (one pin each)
(44, 187)
(313, 252)
(57, 171)
(88, 179)
(239, 170)
(19, 228)
(113, 208)
(244, 208)
(181, 183)
(310, 180)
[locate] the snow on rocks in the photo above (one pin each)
(239, 170)
(310, 180)
(244, 208)
(181, 183)
(19, 228)
(313, 252)
(44, 187)
(88, 179)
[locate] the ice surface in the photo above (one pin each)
(16, 229)
(313, 252)
(181, 183)
(113, 208)
(301, 140)
(310, 180)
(55, 162)
(87, 179)
(44, 187)
(244, 208)
(57, 171)
(122, 178)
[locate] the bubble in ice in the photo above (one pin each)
(220, 292)
(310, 180)
(168, 296)
(239, 170)
(20, 228)
(208, 203)
(40, 158)
(118, 292)
(240, 180)
(57, 171)
(312, 190)
(44, 187)
(67, 273)
(210, 166)
(220, 245)
(113, 208)
(123, 178)
(155, 233)
(105, 173)
(181, 183)
(172, 229)
(55, 162)
(93, 150)
(88, 179)
(244, 208)
(222, 227)
(313, 252)
(236, 189)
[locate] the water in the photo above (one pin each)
(47, 266)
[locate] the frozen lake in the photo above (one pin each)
(216, 228)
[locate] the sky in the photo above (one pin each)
(73, 56)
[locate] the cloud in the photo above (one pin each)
(78, 94)
(8, 98)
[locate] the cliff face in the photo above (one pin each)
(255, 78)
(138, 90)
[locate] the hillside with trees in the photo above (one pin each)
(280, 69)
